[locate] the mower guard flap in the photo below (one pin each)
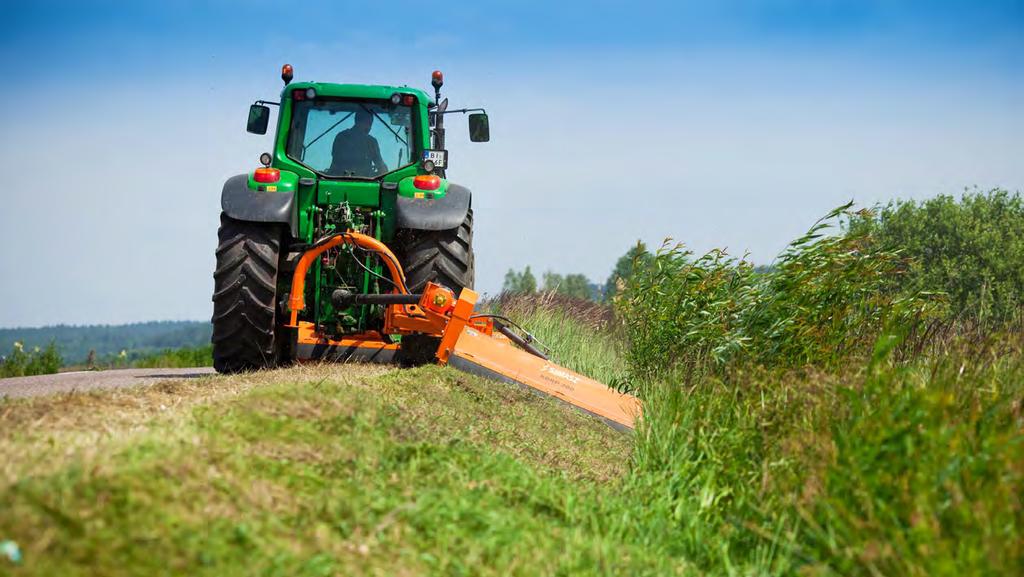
(499, 359)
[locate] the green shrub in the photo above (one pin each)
(818, 303)
(972, 249)
(43, 361)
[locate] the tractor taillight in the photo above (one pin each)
(427, 182)
(266, 175)
(408, 99)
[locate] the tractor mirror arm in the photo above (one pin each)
(464, 110)
(266, 102)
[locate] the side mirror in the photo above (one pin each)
(259, 117)
(479, 128)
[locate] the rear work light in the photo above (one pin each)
(266, 175)
(427, 182)
(304, 94)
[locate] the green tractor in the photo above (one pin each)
(346, 157)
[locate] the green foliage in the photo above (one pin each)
(575, 286)
(38, 361)
(821, 301)
(520, 282)
(972, 249)
(636, 256)
(107, 341)
(893, 470)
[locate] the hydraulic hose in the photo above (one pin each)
(515, 338)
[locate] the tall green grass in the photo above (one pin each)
(798, 421)
(878, 468)
(808, 419)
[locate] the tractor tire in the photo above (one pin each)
(442, 256)
(245, 296)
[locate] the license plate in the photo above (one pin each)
(438, 157)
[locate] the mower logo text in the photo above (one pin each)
(555, 371)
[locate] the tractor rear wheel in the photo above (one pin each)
(245, 296)
(441, 256)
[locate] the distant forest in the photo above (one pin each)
(137, 339)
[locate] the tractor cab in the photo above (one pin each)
(342, 131)
(361, 132)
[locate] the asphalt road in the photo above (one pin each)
(86, 380)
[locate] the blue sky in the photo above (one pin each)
(719, 124)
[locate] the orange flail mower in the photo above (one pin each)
(474, 343)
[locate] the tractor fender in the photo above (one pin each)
(443, 213)
(240, 202)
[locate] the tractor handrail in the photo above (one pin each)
(297, 298)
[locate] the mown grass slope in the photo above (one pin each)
(312, 471)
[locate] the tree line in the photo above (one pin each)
(577, 285)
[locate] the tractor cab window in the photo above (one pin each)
(351, 138)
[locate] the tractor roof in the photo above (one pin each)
(357, 90)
